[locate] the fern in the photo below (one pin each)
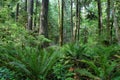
(84, 72)
(32, 63)
(92, 65)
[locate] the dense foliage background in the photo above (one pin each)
(59, 40)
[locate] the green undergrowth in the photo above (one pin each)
(22, 58)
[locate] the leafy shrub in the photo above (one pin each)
(92, 62)
(61, 71)
(6, 74)
(19, 50)
(31, 62)
(19, 37)
(4, 14)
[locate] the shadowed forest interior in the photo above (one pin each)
(59, 39)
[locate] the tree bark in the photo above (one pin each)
(71, 20)
(76, 22)
(17, 11)
(44, 19)
(43, 30)
(99, 17)
(79, 11)
(59, 19)
(61, 22)
(108, 20)
(116, 26)
(30, 14)
(25, 5)
(35, 19)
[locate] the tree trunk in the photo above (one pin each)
(30, 14)
(99, 17)
(44, 18)
(112, 22)
(17, 11)
(108, 20)
(79, 11)
(71, 20)
(59, 18)
(76, 22)
(116, 26)
(25, 10)
(43, 30)
(25, 5)
(61, 22)
(35, 19)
